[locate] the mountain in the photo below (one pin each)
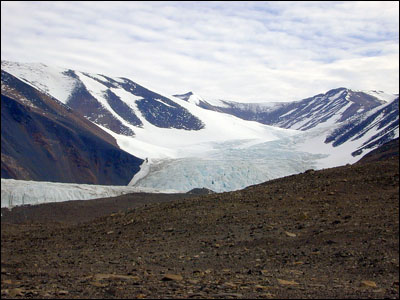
(98, 98)
(43, 139)
(188, 142)
(380, 123)
(174, 135)
(334, 106)
(384, 152)
(350, 114)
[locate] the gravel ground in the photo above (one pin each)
(332, 233)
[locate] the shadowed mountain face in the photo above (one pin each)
(83, 102)
(44, 140)
(383, 121)
(155, 108)
(161, 111)
(384, 152)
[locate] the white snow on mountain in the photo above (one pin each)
(313, 141)
(98, 90)
(143, 172)
(50, 80)
(155, 142)
(195, 99)
(382, 95)
(183, 160)
(252, 107)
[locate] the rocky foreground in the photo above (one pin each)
(332, 233)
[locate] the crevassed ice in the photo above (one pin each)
(22, 192)
(230, 167)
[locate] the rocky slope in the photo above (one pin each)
(384, 152)
(332, 233)
(43, 139)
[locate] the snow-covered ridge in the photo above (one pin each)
(329, 109)
(50, 80)
(381, 95)
(253, 107)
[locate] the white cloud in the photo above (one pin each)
(245, 51)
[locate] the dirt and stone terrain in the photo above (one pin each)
(332, 233)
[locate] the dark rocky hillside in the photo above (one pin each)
(44, 140)
(156, 109)
(83, 102)
(385, 121)
(332, 233)
(161, 111)
(384, 152)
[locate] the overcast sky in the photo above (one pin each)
(242, 51)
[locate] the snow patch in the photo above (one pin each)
(382, 95)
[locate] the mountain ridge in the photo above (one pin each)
(220, 142)
(346, 110)
(43, 139)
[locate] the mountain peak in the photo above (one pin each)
(184, 96)
(190, 97)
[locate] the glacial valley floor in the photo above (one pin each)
(332, 233)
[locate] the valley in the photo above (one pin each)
(332, 233)
(189, 142)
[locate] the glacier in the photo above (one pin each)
(235, 164)
(220, 166)
(24, 192)
(232, 165)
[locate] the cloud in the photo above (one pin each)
(239, 50)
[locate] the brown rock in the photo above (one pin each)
(290, 234)
(63, 293)
(172, 277)
(98, 284)
(259, 287)
(16, 292)
(287, 282)
(99, 277)
(268, 296)
(7, 281)
(368, 283)
(224, 295)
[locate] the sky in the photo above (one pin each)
(242, 51)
